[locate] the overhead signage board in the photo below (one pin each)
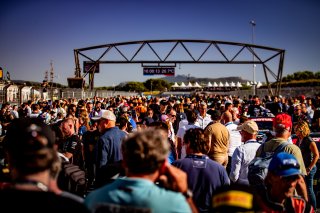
(168, 71)
(89, 65)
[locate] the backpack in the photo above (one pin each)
(73, 179)
(258, 167)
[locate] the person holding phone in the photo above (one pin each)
(145, 161)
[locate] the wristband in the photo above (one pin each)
(188, 194)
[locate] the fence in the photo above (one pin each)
(21, 94)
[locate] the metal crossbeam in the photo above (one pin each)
(220, 58)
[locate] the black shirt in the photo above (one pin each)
(37, 201)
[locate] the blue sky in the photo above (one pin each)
(34, 32)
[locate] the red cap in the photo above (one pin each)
(282, 120)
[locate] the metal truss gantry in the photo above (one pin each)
(242, 53)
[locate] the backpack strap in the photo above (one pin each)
(278, 149)
(263, 153)
(281, 147)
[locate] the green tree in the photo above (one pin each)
(157, 84)
(134, 86)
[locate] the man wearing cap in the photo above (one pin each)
(29, 145)
(244, 154)
(282, 126)
(108, 147)
(281, 181)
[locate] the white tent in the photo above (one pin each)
(175, 84)
(226, 84)
(182, 84)
(221, 84)
(248, 84)
(233, 84)
(239, 84)
(259, 84)
(215, 84)
(196, 85)
(189, 85)
(209, 84)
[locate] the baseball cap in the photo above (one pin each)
(106, 114)
(164, 118)
(282, 120)
(249, 126)
(30, 145)
(28, 130)
(284, 164)
(163, 102)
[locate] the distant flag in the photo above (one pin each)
(1, 73)
(8, 76)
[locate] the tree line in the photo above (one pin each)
(301, 75)
(300, 78)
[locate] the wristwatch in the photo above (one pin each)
(188, 194)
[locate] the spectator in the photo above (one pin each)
(14, 111)
(31, 155)
(89, 139)
(71, 146)
(204, 174)
(203, 118)
(108, 147)
(218, 136)
(244, 154)
(173, 155)
(310, 155)
(192, 123)
(145, 160)
(282, 126)
(235, 137)
(281, 181)
(149, 118)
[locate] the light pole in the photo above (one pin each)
(253, 24)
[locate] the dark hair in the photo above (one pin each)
(123, 121)
(215, 115)
(191, 116)
(197, 141)
(159, 125)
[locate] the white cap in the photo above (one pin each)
(106, 114)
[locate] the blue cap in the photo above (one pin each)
(284, 164)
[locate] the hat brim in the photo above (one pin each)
(289, 172)
(96, 118)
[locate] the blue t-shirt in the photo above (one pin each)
(108, 148)
(138, 192)
(204, 177)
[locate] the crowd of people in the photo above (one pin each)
(160, 154)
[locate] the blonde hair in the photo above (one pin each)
(303, 128)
